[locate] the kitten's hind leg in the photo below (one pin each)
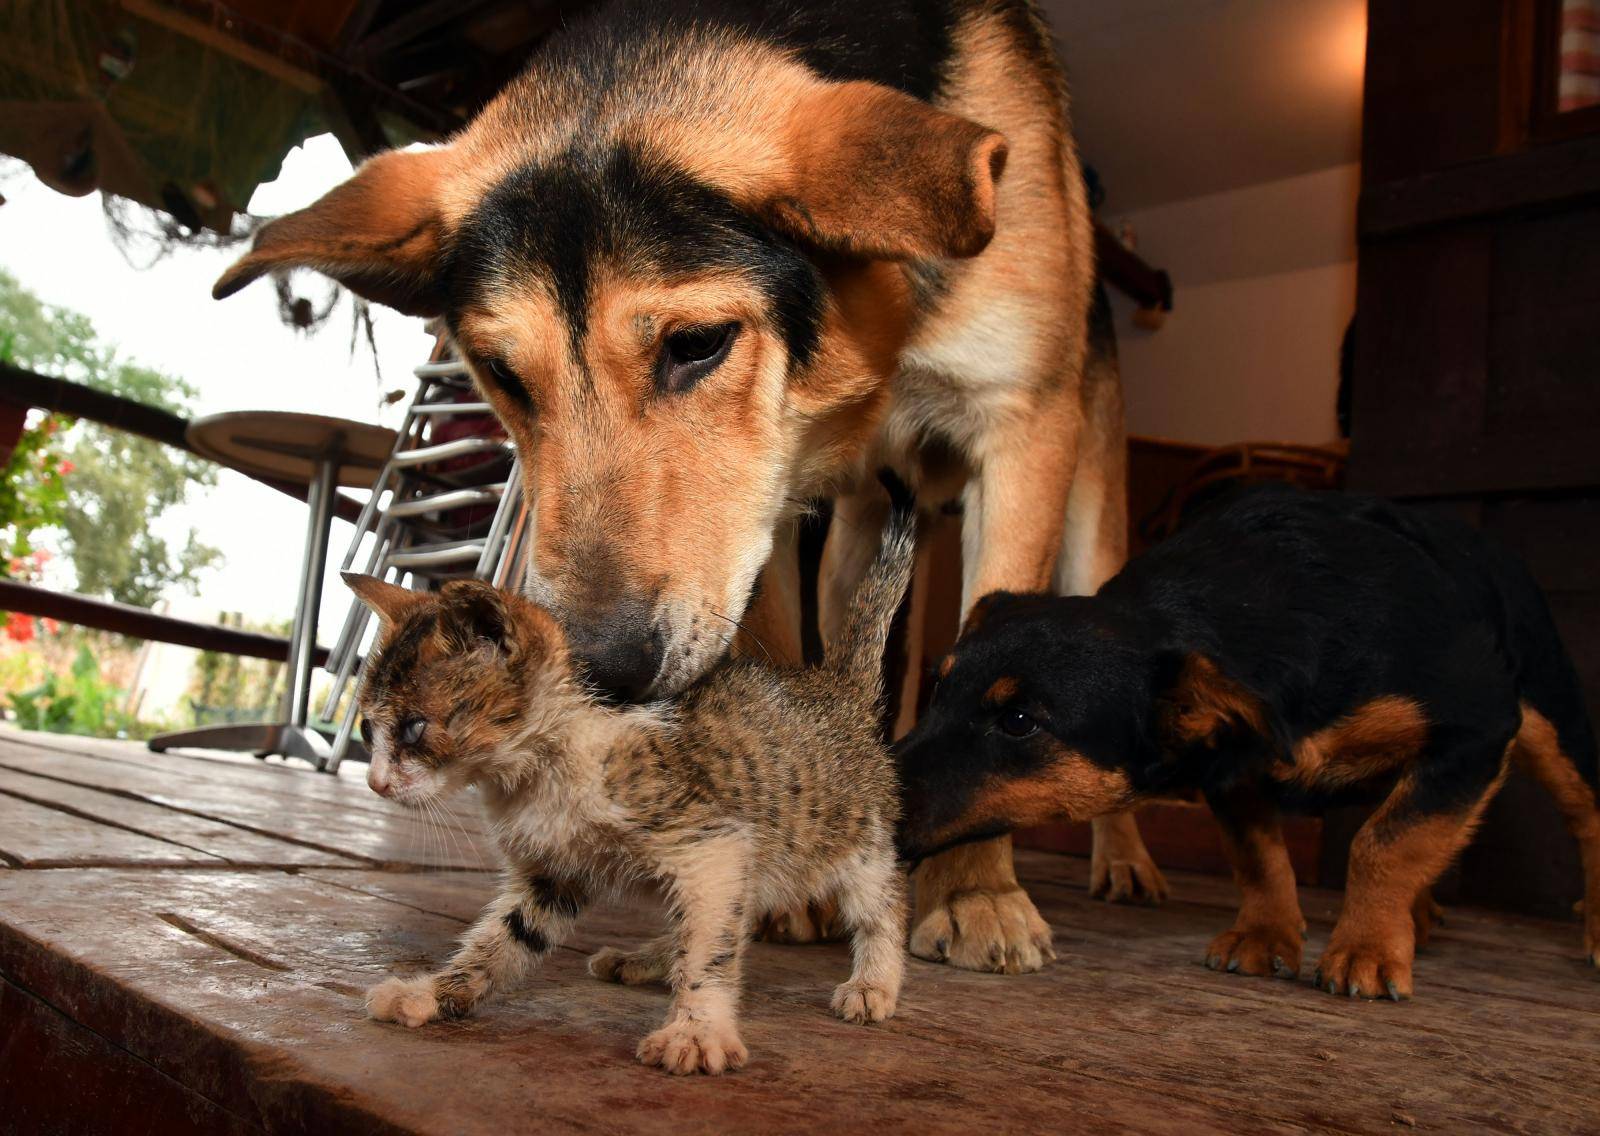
(649, 963)
(872, 899)
(521, 925)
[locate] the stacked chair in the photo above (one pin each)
(447, 504)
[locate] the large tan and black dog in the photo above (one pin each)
(710, 261)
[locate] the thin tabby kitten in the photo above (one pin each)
(759, 788)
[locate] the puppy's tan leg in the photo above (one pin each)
(528, 919)
(1267, 935)
(708, 894)
(1094, 546)
(872, 903)
(1538, 750)
(1399, 851)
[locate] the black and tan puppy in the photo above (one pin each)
(1285, 652)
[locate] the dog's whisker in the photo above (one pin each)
(747, 631)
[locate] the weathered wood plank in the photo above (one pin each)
(57, 1077)
(394, 837)
(227, 842)
(32, 836)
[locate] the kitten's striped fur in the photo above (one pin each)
(758, 788)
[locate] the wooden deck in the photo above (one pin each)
(184, 940)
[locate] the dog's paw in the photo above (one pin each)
(409, 1001)
(985, 930)
(812, 923)
(1120, 867)
(688, 1046)
(1263, 951)
(1368, 966)
(629, 968)
(863, 1002)
(1425, 916)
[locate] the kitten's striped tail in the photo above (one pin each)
(857, 653)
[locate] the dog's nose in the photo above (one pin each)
(619, 652)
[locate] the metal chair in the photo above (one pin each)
(438, 510)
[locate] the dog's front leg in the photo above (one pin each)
(970, 910)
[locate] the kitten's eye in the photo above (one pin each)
(1016, 724)
(411, 730)
(366, 730)
(692, 353)
(506, 379)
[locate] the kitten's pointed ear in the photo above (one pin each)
(474, 610)
(379, 234)
(391, 602)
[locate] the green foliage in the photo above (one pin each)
(33, 492)
(78, 702)
(115, 485)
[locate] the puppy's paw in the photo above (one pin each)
(409, 1001)
(686, 1046)
(815, 922)
(997, 931)
(863, 1002)
(1425, 916)
(1120, 867)
(1269, 950)
(1368, 966)
(629, 968)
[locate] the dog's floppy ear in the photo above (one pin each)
(390, 602)
(877, 173)
(378, 234)
(1200, 706)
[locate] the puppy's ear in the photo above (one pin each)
(983, 608)
(876, 173)
(1199, 706)
(390, 602)
(379, 234)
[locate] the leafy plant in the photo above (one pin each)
(78, 702)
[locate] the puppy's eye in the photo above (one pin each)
(366, 730)
(692, 353)
(503, 377)
(411, 730)
(1016, 724)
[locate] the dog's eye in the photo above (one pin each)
(692, 353)
(506, 379)
(366, 730)
(1016, 724)
(411, 730)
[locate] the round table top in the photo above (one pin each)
(286, 445)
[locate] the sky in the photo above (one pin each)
(237, 353)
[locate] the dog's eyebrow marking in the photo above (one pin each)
(1003, 691)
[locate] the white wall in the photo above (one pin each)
(1264, 282)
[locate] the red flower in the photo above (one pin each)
(65, 467)
(19, 627)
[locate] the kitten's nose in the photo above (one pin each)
(618, 651)
(378, 779)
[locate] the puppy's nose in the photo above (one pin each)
(618, 651)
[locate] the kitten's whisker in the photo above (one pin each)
(747, 631)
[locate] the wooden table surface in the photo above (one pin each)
(184, 940)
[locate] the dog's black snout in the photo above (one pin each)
(619, 652)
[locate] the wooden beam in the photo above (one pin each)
(1148, 287)
(419, 21)
(124, 619)
(219, 40)
(23, 388)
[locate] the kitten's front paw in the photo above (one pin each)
(687, 1046)
(862, 1002)
(409, 1001)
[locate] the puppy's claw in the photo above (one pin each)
(1394, 992)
